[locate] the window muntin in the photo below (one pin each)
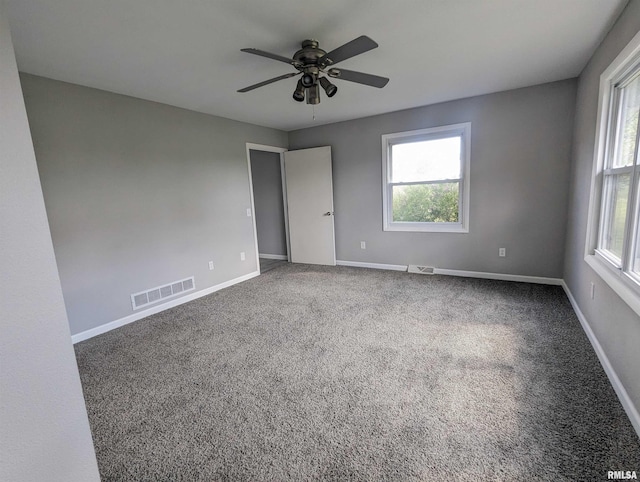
(619, 214)
(425, 176)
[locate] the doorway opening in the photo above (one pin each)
(269, 205)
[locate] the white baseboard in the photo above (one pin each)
(500, 276)
(358, 264)
(455, 272)
(273, 256)
(99, 330)
(623, 396)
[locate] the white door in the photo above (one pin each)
(310, 205)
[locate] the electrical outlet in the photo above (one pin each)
(502, 252)
(242, 256)
(363, 245)
(210, 265)
(593, 290)
(248, 212)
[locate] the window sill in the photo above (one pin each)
(623, 286)
(427, 228)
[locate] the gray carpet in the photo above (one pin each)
(269, 264)
(336, 373)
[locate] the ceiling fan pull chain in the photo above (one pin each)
(314, 112)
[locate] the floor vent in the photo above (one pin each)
(414, 268)
(138, 300)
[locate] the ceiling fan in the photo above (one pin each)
(311, 61)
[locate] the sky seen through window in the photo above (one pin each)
(430, 160)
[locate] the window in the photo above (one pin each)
(619, 206)
(613, 236)
(426, 179)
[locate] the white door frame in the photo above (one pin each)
(280, 151)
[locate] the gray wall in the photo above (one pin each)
(44, 430)
(139, 194)
(520, 152)
(267, 196)
(615, 325)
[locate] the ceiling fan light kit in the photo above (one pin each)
(311, 61)
(298, 94)
(328, 87)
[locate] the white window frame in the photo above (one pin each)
(614, 272)
(388, 140)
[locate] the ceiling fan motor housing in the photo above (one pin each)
(308, 57)
(309, 54)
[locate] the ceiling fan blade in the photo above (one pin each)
(359, 77)
(269, 55)
(267, 82)
(356, 47)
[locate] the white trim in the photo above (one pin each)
(359, 264)
(464, 129)
(253, 208)
(264, 147)
(621, 392)
(616, 281)
(285, 204)
(427, 227)
(333, 218)
(455, 272)
(499, 276)
(622, 64)
(598, 162)
(99, 330)
(274, 256)
(280, 151)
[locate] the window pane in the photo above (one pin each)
(431, 160)
(628, 128)
(615, 214)
(426, 203)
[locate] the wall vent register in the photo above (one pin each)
(159, 293)
(414, 268)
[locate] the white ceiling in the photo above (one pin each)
(187, 53)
